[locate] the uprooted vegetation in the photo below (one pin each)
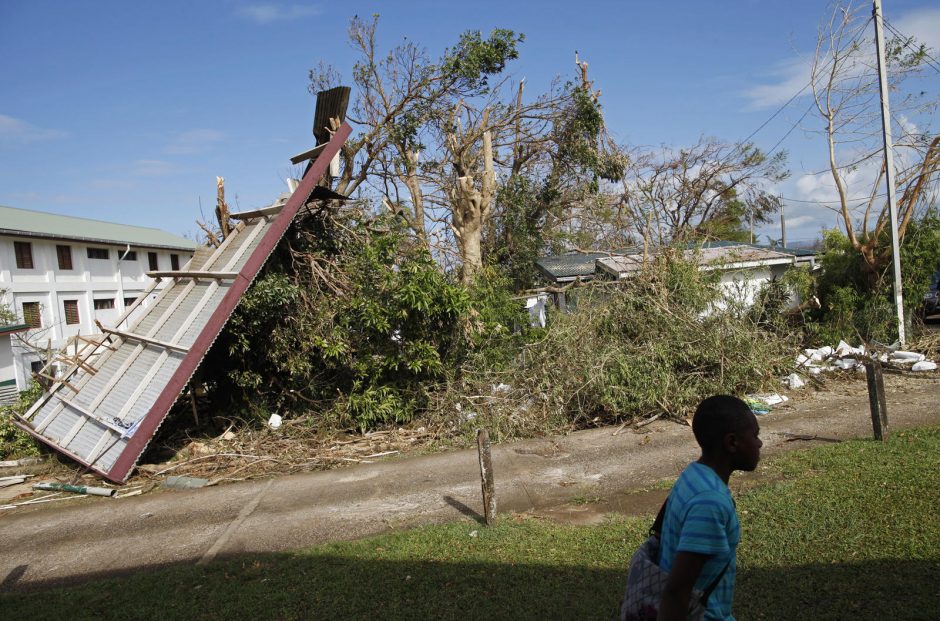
(355, 327)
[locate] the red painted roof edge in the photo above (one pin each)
(128, 458)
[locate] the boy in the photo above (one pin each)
(700, 526)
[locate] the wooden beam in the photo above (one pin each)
(272, 210)
(308, 155)
(56, 380)
(193, 274)
(87, 414)
(130, 336)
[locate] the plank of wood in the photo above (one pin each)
(307, 155)
(130, 336)
(272, 210)
(193, 274)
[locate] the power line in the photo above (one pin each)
(855, 37)
(935, 65)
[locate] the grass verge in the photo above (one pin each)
(850, 531)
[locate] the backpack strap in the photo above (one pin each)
(714, 584)
(657, 530)
(657, 527)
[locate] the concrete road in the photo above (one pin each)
(60, 544)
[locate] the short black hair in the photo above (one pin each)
(716, 416)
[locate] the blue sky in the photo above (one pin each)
(127, 111)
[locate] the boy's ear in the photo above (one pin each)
(730, 442)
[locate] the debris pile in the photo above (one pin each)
(252, 454)
(845, 357)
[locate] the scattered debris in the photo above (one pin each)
(14, 480)
(75, 489)
(17, 463)
(791, 437)
(847, 358)
(184, 482)
(762, 404)
(794, 381)
(275, 421)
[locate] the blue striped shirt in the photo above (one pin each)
(700, 517)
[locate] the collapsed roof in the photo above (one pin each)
(105, 408)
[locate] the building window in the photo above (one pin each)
(130, 255)
(64, 254)
(24, 255)
(152, 257)
(32, 316)
(98, 253)
(175, 262)
(128, 302)
(104, 304)
(71, 312)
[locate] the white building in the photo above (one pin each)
(59, 274)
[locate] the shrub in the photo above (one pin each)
(656, 343)
(15, 442)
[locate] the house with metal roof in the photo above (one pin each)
(61, 276)
(744, 269)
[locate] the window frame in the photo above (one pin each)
(65, 309)
(91, 251)
(64, 251)
(104, 303)
(28, 315)
(153, 261)
(23, 250)
(175, 262)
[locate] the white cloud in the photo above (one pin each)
(266, 13)
(153, 168)
(923, 25)
(17, 130)
(788, 78)
(800, 221)
(194, 141)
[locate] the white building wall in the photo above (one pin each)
(89, 280)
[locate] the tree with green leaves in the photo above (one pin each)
(442, 137)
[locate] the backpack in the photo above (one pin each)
(646, 581)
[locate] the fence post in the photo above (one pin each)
(486, 476)
(876, 399)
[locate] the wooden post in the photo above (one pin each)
(876, 399)
(486, 476)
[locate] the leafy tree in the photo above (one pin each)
(442, 136)
(851, 306)
(366, 319)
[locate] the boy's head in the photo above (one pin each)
(724, 426)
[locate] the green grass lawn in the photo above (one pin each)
(850, 531)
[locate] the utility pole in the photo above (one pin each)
(889, 165)
(783, 227)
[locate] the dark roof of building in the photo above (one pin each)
(13, 327)
(569, 266)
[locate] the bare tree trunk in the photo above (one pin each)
(221, 208)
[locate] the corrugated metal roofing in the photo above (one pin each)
(103, 413)
(723, 256)
(571, 265)
(28, 223)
